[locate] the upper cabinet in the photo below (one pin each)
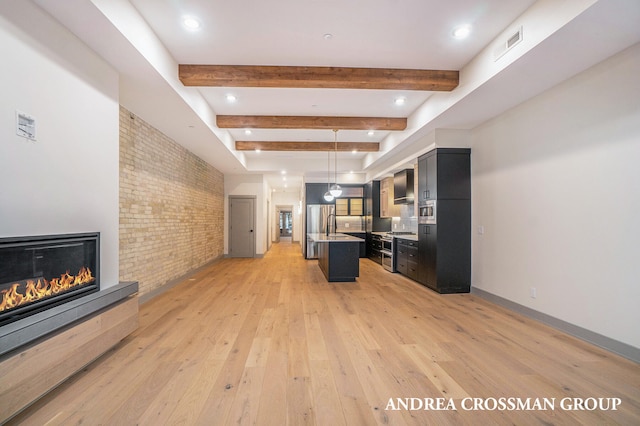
(444, 174)
(342, 206)
(349, 207)
(356, 207)
(387, 207)
(403, 187)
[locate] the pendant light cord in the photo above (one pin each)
(328, 169)
(335, 139)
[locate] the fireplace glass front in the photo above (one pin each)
(37, 273)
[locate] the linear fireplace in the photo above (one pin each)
(37, 273)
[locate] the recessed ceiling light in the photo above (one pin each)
(247, 132)
(355, 151)
(231, 98)
(283, 172)
(257, 150)
(191, 23)
(400, 101)
(371, 133)
(461, 31)
(327, 36)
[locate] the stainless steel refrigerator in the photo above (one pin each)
(317, 222)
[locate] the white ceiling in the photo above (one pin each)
(145, 40)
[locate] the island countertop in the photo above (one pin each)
(334, 238)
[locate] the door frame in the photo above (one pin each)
(255, 213)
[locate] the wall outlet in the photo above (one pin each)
(533, 292)
(346, 225)
(481, 230)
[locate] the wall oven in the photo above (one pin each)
(427, 212)
(387, 253)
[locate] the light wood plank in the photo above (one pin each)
(307, 146)
(309, 122)
(317, 77)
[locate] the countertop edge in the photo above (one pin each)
(342, 238)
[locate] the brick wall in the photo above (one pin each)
(171, 207)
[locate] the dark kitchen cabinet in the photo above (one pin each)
(314, 193)
(362, 245)
(373, 221)
(431, 188)
(444, 173)
(406, 257)
(427, 255)
(444, 249)
(421, 196)
(400, 257)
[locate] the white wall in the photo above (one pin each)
(555, 183)
(248, 185)
(66, 181)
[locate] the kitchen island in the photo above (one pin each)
(338, 256)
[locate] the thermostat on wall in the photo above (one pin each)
(25, 125)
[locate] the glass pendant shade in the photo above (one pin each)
(328, 196)
(336, 190)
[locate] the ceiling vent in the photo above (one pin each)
(508, 44)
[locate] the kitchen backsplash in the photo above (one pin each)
(407, 222)
(350, 223)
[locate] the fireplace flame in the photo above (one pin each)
(36, 290)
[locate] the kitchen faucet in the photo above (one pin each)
(334, 218)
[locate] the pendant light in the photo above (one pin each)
(336, 190)
(328, 197)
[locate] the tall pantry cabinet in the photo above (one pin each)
(444, 248)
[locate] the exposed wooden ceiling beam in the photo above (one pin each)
(317, 77)
(309, 122)
(306, 146)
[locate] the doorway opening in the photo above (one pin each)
(283, 224)
(285, 221)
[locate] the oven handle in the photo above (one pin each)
(387, 252)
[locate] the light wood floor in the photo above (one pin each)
(269, 341)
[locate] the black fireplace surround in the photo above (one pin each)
(40, 272)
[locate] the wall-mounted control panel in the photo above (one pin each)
(25, 126)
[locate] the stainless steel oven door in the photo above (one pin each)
(387, 260)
